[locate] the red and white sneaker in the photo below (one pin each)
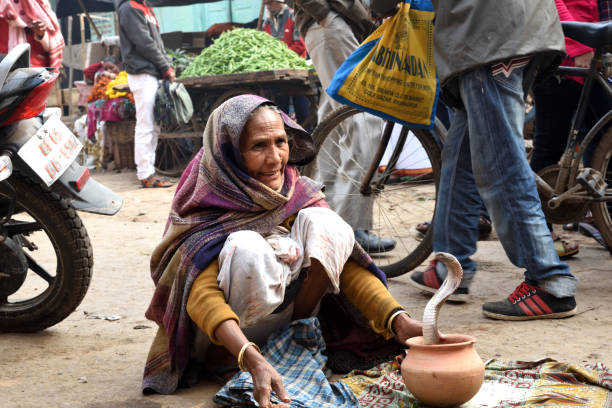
(529, 302)
(430, 282)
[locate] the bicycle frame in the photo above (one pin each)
(367, 187)
(566, 187)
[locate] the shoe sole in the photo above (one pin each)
(377, 250)
(560, 315)
(568, 255)
(158, 186)
(481, 235)
(456, 298)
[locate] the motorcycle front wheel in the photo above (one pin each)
(57, 251)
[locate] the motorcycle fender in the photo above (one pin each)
(93, 197)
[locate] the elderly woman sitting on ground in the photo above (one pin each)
(250, 245)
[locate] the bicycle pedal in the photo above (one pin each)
(593, 182)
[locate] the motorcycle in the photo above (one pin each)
(46, 258)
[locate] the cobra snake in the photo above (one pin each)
(450, 284)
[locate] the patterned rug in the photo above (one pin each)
(545, 383)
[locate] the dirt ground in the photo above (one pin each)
(93, 363)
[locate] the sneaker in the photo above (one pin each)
(430, 282)
(372, 243)
(529, 302)
(156, 181)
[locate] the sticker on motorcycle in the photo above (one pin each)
(51, 150)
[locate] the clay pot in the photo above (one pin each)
(445, 374)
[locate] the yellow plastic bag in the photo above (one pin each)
(393, 73)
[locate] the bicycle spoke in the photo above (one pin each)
(362, 170)
(399, 200)
(333, 164)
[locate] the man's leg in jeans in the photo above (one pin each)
(495, 112)
(457, 211)
(458, 204)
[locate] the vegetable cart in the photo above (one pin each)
(176, 148)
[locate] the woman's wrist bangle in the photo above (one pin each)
(392, 317)
(241, 354)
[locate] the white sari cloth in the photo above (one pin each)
(254, 271)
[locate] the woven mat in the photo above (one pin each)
(545, 383)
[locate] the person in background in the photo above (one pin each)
(332, 30)
(145, 61)
(485, 65)
(108, 67)
(34, 22)
(281, 26)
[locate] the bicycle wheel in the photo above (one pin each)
(402, 184)
(602, 162)
(173, 155)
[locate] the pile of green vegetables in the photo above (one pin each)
(243, 50)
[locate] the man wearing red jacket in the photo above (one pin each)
(281, 26)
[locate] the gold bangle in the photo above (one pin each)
(392, 317)
(241, 354)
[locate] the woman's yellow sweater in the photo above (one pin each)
(207, 307)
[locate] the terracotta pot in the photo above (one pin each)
(445, 374)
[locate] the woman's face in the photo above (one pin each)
(110, 67)
(264, 148)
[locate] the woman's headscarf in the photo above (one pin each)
(215, 197)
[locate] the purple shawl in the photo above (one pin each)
(215, 197)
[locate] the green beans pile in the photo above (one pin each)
(243, 50)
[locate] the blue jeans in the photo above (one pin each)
(484, 155)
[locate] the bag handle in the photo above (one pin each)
(166, 85)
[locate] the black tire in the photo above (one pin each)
(63, 250)
(399, 206)
(174, 154)
(602, 162)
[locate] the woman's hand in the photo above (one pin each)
(265, 380)
(381, 9)
(405, 327)
(584, 60)
(39, 29)
(108, 74)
